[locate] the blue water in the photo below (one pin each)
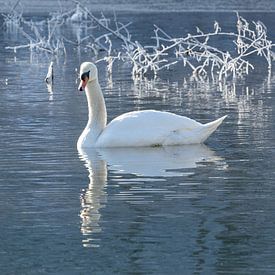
(202, 209)
(31, 6)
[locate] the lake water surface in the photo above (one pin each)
(200, 209)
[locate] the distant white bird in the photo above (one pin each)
(139, 128)
(49, 77)
(78, 16)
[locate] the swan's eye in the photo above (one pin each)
(85, 75)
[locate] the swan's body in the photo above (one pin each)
(138, 128)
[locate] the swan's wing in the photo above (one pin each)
(145, 128)
(193, 134)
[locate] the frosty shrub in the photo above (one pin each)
(196, 51)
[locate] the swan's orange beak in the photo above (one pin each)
(83, 84)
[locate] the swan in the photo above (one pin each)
(137, 128)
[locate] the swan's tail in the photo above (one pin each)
(210, 127)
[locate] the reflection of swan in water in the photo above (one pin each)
(157, 162)
(94, 197)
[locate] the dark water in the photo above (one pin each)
(30, 6)
(201, 209)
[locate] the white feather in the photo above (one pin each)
(138, 128)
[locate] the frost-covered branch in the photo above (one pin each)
(199, 51)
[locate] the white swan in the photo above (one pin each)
(138, 128)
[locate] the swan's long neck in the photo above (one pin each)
(97, 110)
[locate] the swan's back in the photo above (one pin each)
(148, 128)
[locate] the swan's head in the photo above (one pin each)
(88, 73)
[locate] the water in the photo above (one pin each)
(200, 209)
(31, 6)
